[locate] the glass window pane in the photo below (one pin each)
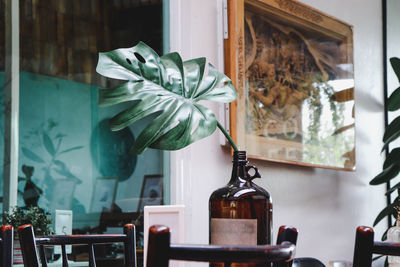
(2, 93)
(69, 159)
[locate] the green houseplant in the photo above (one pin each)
(391, 165)
(168, 87)
(39, 219)
(170, 90)
(33, 215)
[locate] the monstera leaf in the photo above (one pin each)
(165, 86)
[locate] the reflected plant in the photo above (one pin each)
(53, 145)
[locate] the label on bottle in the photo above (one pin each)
(233, 231)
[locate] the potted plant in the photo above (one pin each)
(391, 165)
(171, 89)
(33, 215)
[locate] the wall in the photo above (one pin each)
(325, 205)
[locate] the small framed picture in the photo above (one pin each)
(152, 191)
(172, 216)
(63, 226)
(104, 193)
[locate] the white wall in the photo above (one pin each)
(325, 205)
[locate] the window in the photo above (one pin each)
(68, 157)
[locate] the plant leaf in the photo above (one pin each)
(386, 175)
(71, 149)
(392, 131)
(48, 144)
(167, 87)
(395, 62)
(393, 103)
(64, 170)
(392, 158)
(387, 211)
(31, 155)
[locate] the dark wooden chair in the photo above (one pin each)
(29, 245)
(6, 244)
(289, 234)
(365, 246)
(160, 251)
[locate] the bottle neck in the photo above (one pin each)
(239, 166)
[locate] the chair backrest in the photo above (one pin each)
(6, 245)
(29, 245)
(365, 246)
(160, 251)
(289, 234)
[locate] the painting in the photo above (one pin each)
(293, 68)
(152, 191)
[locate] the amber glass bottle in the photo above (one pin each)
(241, 211)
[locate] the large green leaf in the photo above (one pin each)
(392, 132)
(165, 86)
(395, 62)
(386, 175)
(387, 211)
(393, 103)
(392, 158)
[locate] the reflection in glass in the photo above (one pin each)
(68, 156)
(2, 95)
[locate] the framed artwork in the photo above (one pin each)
(152, 191)
(172, 216)
(104, 192)
(63, 226)
(293, 68)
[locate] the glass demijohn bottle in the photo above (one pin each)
(241, 211)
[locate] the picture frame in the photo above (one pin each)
(292, 66)
(63, 226)
(152, 192)
(172, 216)
(104, 193)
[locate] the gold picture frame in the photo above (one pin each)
(293, 68)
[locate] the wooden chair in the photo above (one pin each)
(29, 245)
(160, 251)
(289, 234)
(365, 246)
(6, 244)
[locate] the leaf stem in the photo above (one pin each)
(227, 136)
